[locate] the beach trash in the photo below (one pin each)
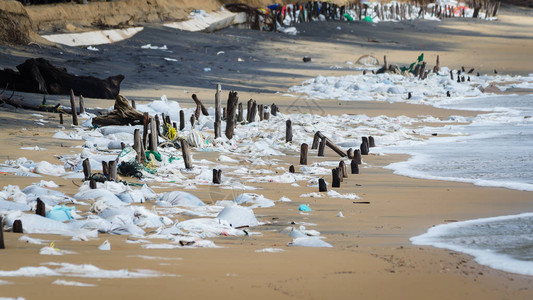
(238, 216)
(60, 213)
(181, 199)
(304, 207)
(306, 59)
(106, 246)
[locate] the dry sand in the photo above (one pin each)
(372, 257)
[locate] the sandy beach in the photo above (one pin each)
(372, 256)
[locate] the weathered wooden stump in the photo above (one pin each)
(350, 153)
(182, 120)
(322, 187)
(240, 114)
(316, 140)
(357, 156)
(185, 153)
(146, 122)
(260, 111)
(233, 99)
(41, 208)
(303, 154)
(86, 169)
(2, 245)
(342, 166)
(364, 146)
(336, 180)
(105, 169)
(61, 118)
(355, 166)
(92, 184)
(73, 109)
(82, 105)
(371, 142)
(199, 107)
(137, 145)
(322, 147)
(291, 169)
(17, 227)
(216, 176)
(112, 170)
(192, 120)
(274, 109)
(288, 131)
(331, 145)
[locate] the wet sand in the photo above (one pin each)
(372, 257)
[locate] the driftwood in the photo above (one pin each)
(199, 107)
(331, 145)
(123, 114)
(37, 75)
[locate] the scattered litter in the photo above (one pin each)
(106, 246)
(91, 48)
(340, 215)
(304, 207)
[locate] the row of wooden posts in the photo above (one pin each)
(17, 224)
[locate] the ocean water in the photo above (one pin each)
(496, 149)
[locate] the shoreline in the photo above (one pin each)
(371, 243)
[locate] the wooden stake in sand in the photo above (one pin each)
(185, 153)
(322, 187)
(274, 109)
(146, 121)
(2, 246)
(357, 156)
(240, 114)
(60, 118)
(216, 176)
(74, 111)
(153, 135)
(355, 166)
(322, 147)
(288, 131)
(303, 154)
(92, 184)
(371, 142)
(316, 140)
(87, 169)
(17, 227)
(233, 99)
(336, 180)
(350, 153)
(112, 170)
(182, 120)
(82, 105)
(137, 144)
(218, 118)
(364, 146)
(342, 167)
(193, 120)
(331, 145)
(260, 110)
(41, 208)
(253, 112)
(291, 169)
(199, 107)
(105, 168)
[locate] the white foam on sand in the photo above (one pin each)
(72, 283)
(502, 243)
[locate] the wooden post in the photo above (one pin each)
(218, 117)
(133, 105)
(153, 134)
(182, 120)
(199, 107)
(341, 176)
(157, 125)
(17, 227)
(240, 114)
(322, 147)
(291, 169)
(350, 153)
(331, 145)
(41, 208)
(253, 113)
(60, 118)
(437, 66)
(185, 153)
(146, 121)
(322, 187)
(105, 169)
(137, 144)
(357, 156)
(224, 115)
(288, 131)
(249, 109)
(371, 142)
(233, 98)
(364, 146)
(216, 176)
(122, 145)
(92, 184)
(266, 116)
(73, 108)
(82, 105)
(303, 154)
(86, 169)
(422, 70)
(316, 140)
(2, 245)
(385, 64)
(342, 167)
(193, 120)
(274, 109)
(260, 111)
(112, 170)
(355, 166)
(336, 180)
